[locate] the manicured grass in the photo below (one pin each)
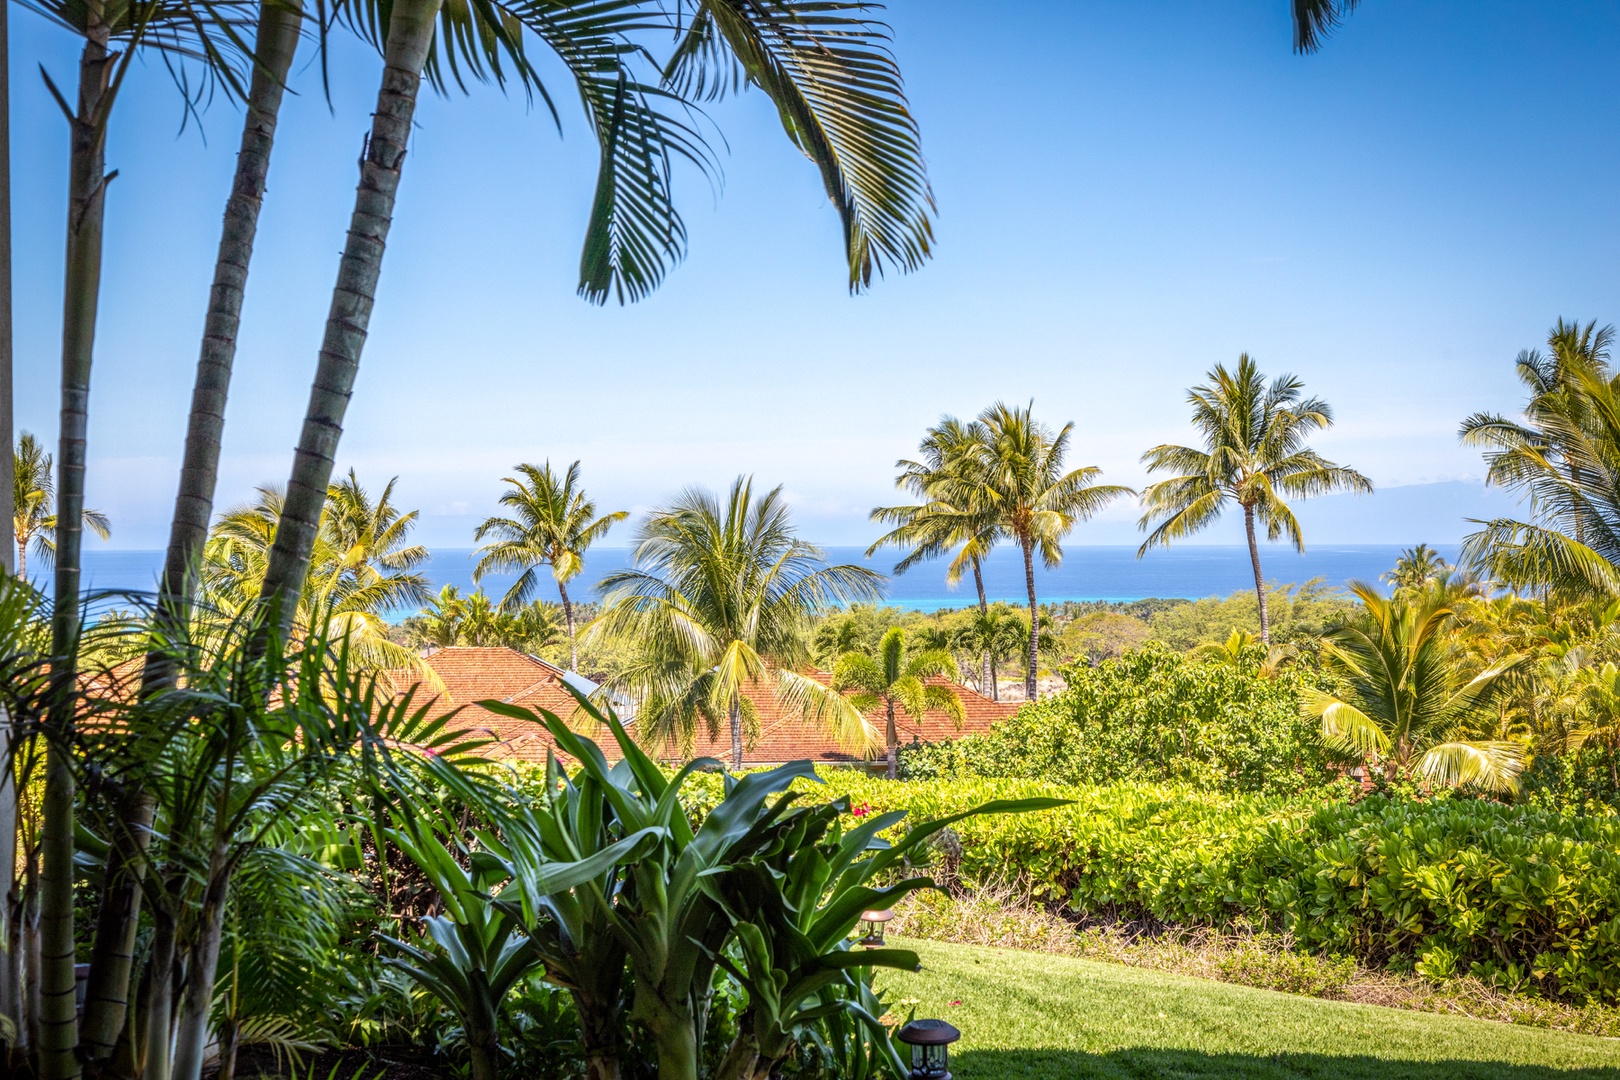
(1030, 1015)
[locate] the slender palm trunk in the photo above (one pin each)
(22, 551)
(736, 733)
(10, 981)
(202, 962)
(568, 617)
(107, 992)
(1034, 621)
(410, 36)
(28, 949)
(984, 609)
(1259, 580)
(892, 739)
(81, 289)
(160, 999)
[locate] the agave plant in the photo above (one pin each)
(781, 882)
(474, 953)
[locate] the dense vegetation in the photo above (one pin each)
(1154, 715)
(1514, 895)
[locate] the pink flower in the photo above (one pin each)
(861, 810)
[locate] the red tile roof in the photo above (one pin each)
(474, 674)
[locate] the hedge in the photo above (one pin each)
(1514, 895)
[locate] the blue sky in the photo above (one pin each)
(1129, 193)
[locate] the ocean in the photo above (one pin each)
(1087, 573)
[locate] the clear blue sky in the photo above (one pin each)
(1129, 193)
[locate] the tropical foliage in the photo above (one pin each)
(1152, 716)
(1518, 897)
(1254, 456)
(898, 678)
(719, 600)
(363, 568)
(1411, 703)
(551, 523)
(34, 499)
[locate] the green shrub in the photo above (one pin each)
(1444, 886)
(1580, 781)
(1152, 715)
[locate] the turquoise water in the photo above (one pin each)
(1087, 573)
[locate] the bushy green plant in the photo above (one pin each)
(1579, 781)
(1152, 715)
(1440, 886)
(1298, 613)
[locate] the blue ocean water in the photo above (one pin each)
(1087, 573)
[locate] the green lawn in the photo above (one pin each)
(1029, 1015)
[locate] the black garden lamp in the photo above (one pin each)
(930, 1042)
(872, 923)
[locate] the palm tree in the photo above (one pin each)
(1254, 455)
(956, 511)
(719, 600)
(113, 35)
(996, 633)
(33, 494)
(1036, 501)
(898, 678)
(1314, 20)
(1565, 455)
(1417, 567)
(363, 568)
(1413, 701)
(553, 523)
(825, 66)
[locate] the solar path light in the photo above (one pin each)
(930, 1042)
(872, 923)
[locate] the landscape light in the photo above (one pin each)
(930, 1042)
(872, 923)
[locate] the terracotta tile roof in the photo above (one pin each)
(473, 674)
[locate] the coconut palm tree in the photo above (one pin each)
(552, 524)
(1564, 455)
(825, 66)
(363, 568)
(898, 678)
(1314, 20)
(1037, 502)
(33, 496)
(1254, 456)
(955, 513)
(719, 602)
(994, 633)
(1417, 567)
(1413, 703)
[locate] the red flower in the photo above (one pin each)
(861, 810)
(958, 1001)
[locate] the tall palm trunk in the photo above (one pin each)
(10, 973)
(1034, 621)
(81, 288)
(107, 992)
(568, 618)
(736, 732)
(984, 609)
(410, 36)
(891, 739)
(1259, 580)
